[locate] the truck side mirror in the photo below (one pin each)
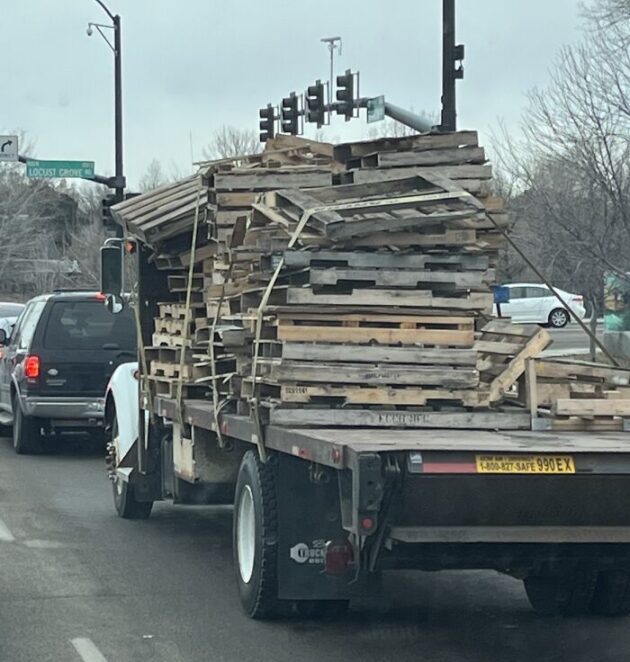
(3, 337)
(112, 270)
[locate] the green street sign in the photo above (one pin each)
(376, 109)
(52, 169)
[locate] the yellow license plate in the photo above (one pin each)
(525, 464)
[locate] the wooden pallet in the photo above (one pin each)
(168, 387)
(320, 352)
(382, 329)
(379, 260)
(178, 310)
(394, 278)
(366, 395)
(475, 301)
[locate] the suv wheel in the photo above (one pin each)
(27, 435)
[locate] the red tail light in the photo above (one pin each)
(100, 296)
(578, 298)
(339, 557)
(31, 367)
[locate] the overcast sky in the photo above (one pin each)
(190, 66)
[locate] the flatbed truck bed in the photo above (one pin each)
(321, 512)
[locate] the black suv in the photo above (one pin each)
(55, 367)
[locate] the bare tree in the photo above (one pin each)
(570, 166)
(153, 177)
(229, 142)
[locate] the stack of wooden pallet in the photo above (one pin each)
(365, 297)
(350, 286)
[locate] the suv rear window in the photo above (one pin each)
(78, 325)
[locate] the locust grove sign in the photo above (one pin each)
(53, 169)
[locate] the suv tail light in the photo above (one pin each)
(31, 366)
(578, 298)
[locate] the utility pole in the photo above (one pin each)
(452, 68)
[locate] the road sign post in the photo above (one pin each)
(8, 148)
(59, 169)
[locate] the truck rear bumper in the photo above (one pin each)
(87, 411)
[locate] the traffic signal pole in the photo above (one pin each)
(450, 73)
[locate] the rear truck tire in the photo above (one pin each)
(558, 318)
(565, 595)
(125, 502)
(27, 437)
(255, 537)
(612, 593)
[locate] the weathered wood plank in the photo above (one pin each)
(349, 373)
(385, 297)
(271, 179)
(557, 369)
(457, 172)
(358, 259)
(433, 158)
(587, 407)
(432, 141)
(359, 335)
(376, 354)
(400, 419)
(449, 238)
(386, 278)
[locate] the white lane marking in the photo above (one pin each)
(87, 650)
(5, 533)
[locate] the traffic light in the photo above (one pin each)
(290, 114)
(267, 123)
(345, 94)
(315, 104)
(106, 213)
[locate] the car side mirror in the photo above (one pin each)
(112, 269)
(113, 303)
(3, 337)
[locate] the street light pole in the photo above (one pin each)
(120, 178)
(118, 181)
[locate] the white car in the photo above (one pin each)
(533, 302)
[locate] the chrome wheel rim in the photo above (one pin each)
(246, 534)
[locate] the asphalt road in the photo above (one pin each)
(572, 338)
(76, 583)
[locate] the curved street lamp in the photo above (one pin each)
(118, 181)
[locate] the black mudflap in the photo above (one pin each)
(308, 517)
